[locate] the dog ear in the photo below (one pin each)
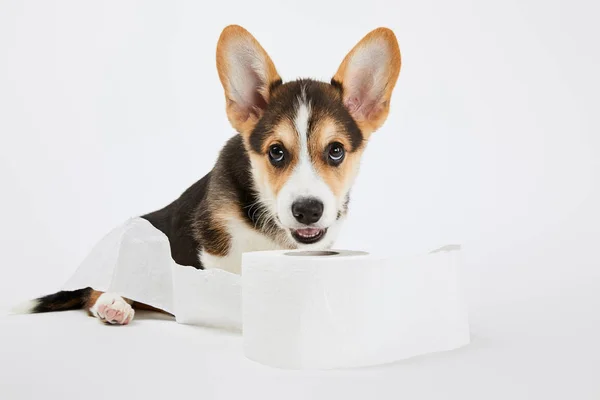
(367, 76)
(246, 73)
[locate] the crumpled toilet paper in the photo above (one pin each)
(295, 309)
(134, 261)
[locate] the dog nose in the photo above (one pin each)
(308, 210)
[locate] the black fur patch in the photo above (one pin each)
(274, 85)
(337, 84)
(62, 301)
(176, 222)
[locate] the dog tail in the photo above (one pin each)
(60, 301)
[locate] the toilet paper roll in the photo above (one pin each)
(340, 309)
(300, 309)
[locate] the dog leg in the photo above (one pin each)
(110, 308)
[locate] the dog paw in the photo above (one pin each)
(112, 309)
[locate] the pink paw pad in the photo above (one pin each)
(113, 309)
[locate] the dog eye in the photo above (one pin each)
(335, 153)
(276, 154)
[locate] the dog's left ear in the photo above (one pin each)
(367, 76)
(246, 73)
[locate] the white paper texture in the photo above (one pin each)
(209, 298)
(298, 311)
(134, 260)
(350, 310)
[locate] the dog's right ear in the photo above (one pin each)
(246, 73)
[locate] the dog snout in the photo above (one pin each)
(307, 210)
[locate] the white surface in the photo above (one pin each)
(353, 309)
(538, 349)
(111, 109)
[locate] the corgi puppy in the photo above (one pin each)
(283, 181)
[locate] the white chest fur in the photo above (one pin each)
(243, 239)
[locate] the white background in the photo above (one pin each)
(111, 109)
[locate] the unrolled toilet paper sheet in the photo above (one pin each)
(134, 260)
(299, 310)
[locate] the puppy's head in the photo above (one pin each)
(305, 138)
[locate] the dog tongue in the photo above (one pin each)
(308, 231)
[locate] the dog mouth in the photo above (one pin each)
(308, 235)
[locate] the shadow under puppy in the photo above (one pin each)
(283, 181)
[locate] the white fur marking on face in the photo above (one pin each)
(304, 181)
(301, 124)
(113, 309)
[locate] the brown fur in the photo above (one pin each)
(211, 226)
(284, 134)
(326, 132)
